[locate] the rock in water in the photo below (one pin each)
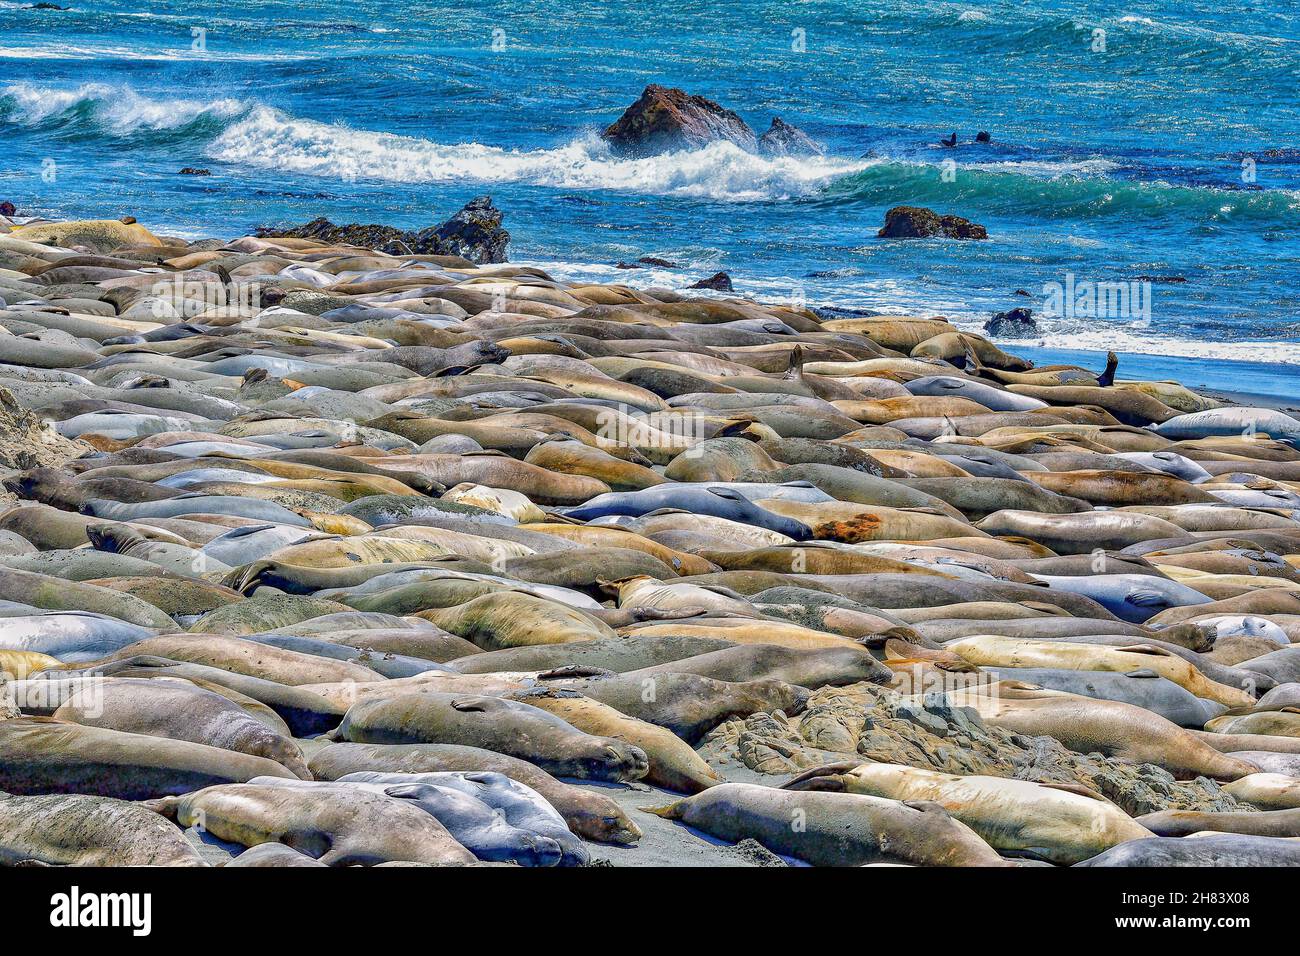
(718, 282)
(782, 139)
(917, 222)
(194, 171)
(474, 233)
(668, 118)
(1012, 324)
(8, 209)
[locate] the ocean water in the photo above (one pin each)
(1152, 140)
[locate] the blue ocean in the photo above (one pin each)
(1155, 143)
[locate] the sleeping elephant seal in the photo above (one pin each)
(247, 657)
(811, 667)
(179, 711)
(1214, 849)
(520, 805)
(1059, 824)
(42, 755)
(1141, 688)
(837, 829)
(339, 826)
(303, 712)
(471, 822)
(687, 704)
(81, 830)
(505, 726)
(673, 764)
(513, 619)
(1108, 727)
(619, 654)
(589, 814)
(272, 854)
(1266, 823)
(1268, 791)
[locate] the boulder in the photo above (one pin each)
(917, 222)
(1012, 324)
(474, 233)
(718, 282)
(782, 139)
(194, 171)
(8, 209)
(666, 118)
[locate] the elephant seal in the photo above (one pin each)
(1269, 791)
(1266, 823)
(42, 755)
(619, 654)
(1141, 688)
(339, 826)
(687, 704)
(1108, 727)
(520, 805)
(471, 822)
(833, 829)
(507, 619)
(717, 501)
(1059, 824)
(588, 813)
(1211, 850)
(673, 764)
(179, 711)
(247, 657)
(272, 854)
(69, 635)
(811, 667)
(1079, 533)
(505, 726)
(83, 830)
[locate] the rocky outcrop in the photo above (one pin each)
(782, 139)
(27, 442)
(667, 118)
(917, 222)
(8, 209)
(867, 721)
(475, 233)
(718, 282)
(194, 171)
(1012, 324)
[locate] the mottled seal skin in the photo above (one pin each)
(83, 830)
(837, 829)
(589, 814)
(338, 826)
(719, 502)
(42, 755)
(232, 653)
(508, 727)
(1226, 849)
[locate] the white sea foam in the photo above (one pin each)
(119, 108)
(722, 171)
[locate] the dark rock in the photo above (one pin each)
(474, 233)
(916, 222)
(667, 118)
(782, 139)
(1160, 279)
(627, 265)
(47, 6)
(8, 209)
(950, 142)
(983, 137)
(194, 171)
(1012, 324)
(718, 282)
(1023, 292)
(656, 261)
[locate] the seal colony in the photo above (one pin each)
(321, 554)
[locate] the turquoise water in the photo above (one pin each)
(1106, 165)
